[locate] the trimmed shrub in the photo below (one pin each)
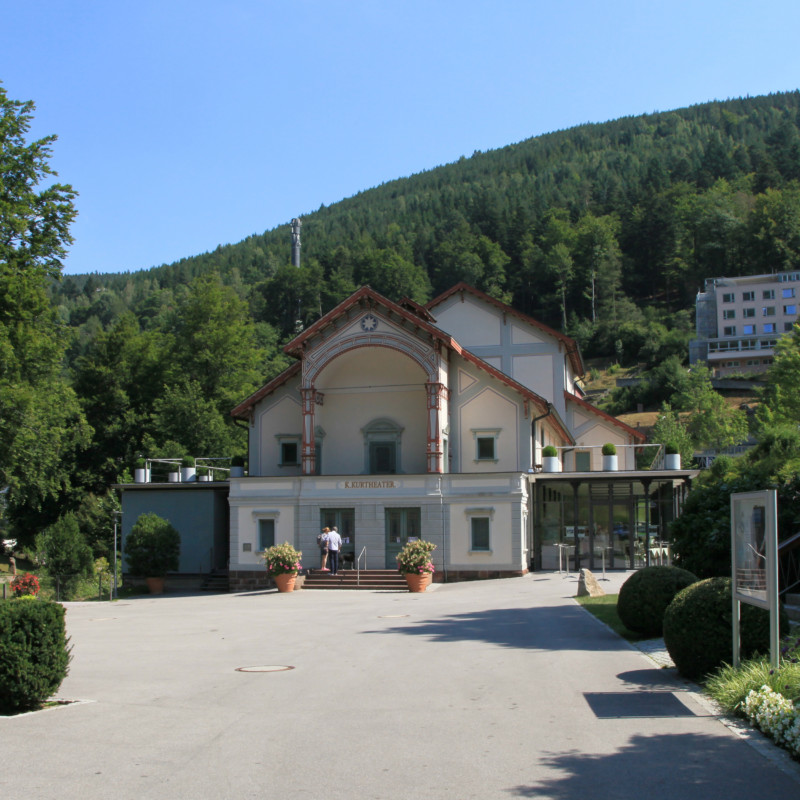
(63, 550)
(152, 548)
(549, 452)
(698, 632)
(609, 449)
(644, 597)
(34, 653)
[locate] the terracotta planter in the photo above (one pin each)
(285, 583)
(418, 583)
(155, 585)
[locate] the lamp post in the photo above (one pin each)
(114, 587)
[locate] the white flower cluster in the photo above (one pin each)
(776, 716)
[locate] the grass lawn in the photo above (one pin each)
(605, 609)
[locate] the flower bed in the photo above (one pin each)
(776, 716)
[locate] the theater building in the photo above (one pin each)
(398, 420)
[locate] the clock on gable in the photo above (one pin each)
(369, 323)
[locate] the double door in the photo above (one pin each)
(402, 525)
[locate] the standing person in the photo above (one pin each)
(322, 543)
(334, 545)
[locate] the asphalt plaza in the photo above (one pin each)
(490, 689)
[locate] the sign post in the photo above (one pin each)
(754, 561)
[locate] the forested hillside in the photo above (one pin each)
(606, 231)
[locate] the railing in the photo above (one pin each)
(789, 564)
(358, 564)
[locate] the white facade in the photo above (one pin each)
(401, 421)
(739, 320)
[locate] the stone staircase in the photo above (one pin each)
(216, 581)
(374, 580)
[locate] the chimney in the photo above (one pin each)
(296, 241)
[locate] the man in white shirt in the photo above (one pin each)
(334, 546)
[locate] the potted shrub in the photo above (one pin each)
(152, 549)
(550, 459)
(140, 473)
(283, 563)
(414, 562)
(672, 457)
(174, 474)
(237, 467)
(609, 457)
(203, 474)
(188, 470)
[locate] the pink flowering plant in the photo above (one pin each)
(415, 558)
(26, 585)
(282, 559)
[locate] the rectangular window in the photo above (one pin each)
(266, 533)
(769, 327)
(729, 330)
(485, 448)
(729, 313)
(289, 454)
(728, 297)
(787, 293)
(480, 533)
(748, 330)
(787, 326)
(790, 310)
(747, 313)
(768, 311)
(768, 294)
(748, 296)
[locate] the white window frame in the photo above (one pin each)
(288, 438)
(259, 515)
(486, 513)
(486, 433)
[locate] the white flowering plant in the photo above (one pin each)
(776, 716)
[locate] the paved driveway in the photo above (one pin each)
(494, 689)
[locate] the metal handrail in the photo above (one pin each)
(358, 564)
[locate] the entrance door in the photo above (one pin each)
(402, 524)
(344, 519)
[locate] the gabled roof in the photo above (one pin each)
(570, 345)
(242, 411)
(367, 297)
(569, 397)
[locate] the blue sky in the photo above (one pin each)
(184, 125)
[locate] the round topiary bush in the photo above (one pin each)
(698, 632)
(34, 653)
(644, 597)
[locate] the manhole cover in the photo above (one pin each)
(267, 668)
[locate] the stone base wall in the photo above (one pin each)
(456, 575)
(249, 581)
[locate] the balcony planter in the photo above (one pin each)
(609, 458)
(188, 471)
(237, 467)
(174, 477)
(550, 462)
(140, 473)
(672, 458)
(202, 475)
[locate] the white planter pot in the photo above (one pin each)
(610, 463)
(672, 461)
(188, 474)
(237, 472)
(173, 477)
(141, 475)
(551, 464)
(204, 478)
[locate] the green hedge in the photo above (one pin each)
(698, 630)
(644, 597)
(34, 653)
